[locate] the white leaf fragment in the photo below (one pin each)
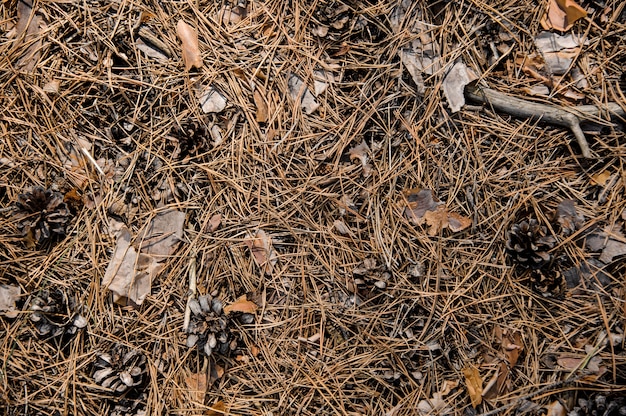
(454, 85)
(559, 51)
(299, 92)
(211, 101)
(9, 294)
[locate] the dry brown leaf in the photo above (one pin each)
(261, 107)
(474, 384)
(162, 235)
(454, 85)
(601, 178)
(419, 201)
(512, 346)
(197, 386)
(361, 152)
(556, 409)
(216, 409)
(214, 223)
(191, 48)
(212, 101)
(28, 34)
(341, 227)
(131, 271)
(262, 251)
(241, 305)
(9, 294)
(612, 242)
(568, 217)
(562, 14)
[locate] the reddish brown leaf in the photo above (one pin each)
(261, 107)
(218, 408)
(197, 384)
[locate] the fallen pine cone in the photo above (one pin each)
(528, 244)
(121, 369)
(209, 328)
(54, 314)
(42, 214)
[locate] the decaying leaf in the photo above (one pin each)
(437, 405)
(612, 242)
(214, 223)
(562, 14)
(196, 386)
(568, 217)
(212, 101)
(9, 294)
(261, 107)
(241, 305)
(474, 384)
(361, 152)
(150, 51)
(556, 409)
(191, 48)
(321, 79)
(424, 207)
(601, 178)
(216, 409)
(132, 270)
(300, 93)
(264, 254)
(341, 227)
(558, 51)
(28, 34)
(454, 85)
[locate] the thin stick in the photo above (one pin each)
(551, 114)
(192, 290)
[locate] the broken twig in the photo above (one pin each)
(551, 114)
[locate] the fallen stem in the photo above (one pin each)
(551, 114)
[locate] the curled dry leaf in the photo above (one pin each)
(191, 48)
(454, 85)
(562, 14)
(262, 250)
(361, 152)
(424, 207)
(9, 294)
(241, 305)
(474, 384)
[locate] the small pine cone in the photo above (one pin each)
(121, 369)
(370, 277)
(209, 329)
(55, 314)
(548, 282)
(528, 244)
(600, 405)
(43, 215)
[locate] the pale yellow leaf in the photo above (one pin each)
(474, 384)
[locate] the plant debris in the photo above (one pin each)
(43, 215)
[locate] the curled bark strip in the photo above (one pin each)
(551, 114)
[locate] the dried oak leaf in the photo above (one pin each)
(562, 14)
(191, 49)
(241, 305)
(197, 386)
(612, 242)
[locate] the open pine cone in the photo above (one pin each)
(55, 314)
(121, 369)
(209, 328)
(528, 244)
(43, 215)
(600, 405)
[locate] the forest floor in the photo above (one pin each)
(302, 213)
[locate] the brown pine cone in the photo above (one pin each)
(528, 244)
(43, 215)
